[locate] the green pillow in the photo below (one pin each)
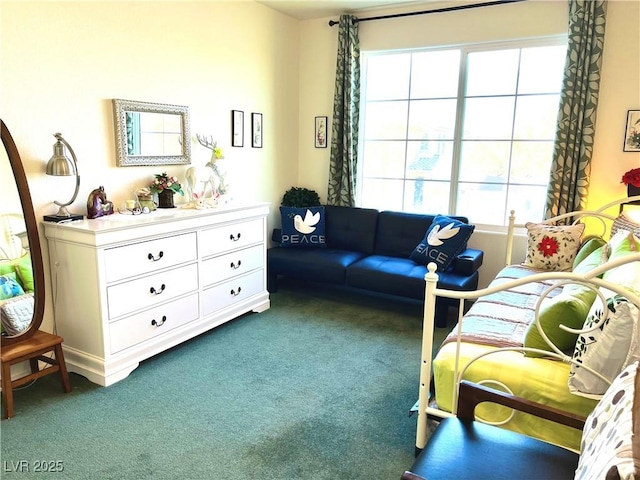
(587, 249)
(6, 267)
(569, 308)
(25, 272)
(623, 243)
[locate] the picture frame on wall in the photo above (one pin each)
(632, 132)
(256, 130)
(237, 128)
(321, 132)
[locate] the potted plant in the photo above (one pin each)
(165, 186)
(300, 197)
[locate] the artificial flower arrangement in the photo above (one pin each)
(632, 177)
(164, 182)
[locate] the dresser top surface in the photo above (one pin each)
(119, 227)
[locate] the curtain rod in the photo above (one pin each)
(424, 12)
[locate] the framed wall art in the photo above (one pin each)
(632, 132)
(237, 128)
(256, 130)
(321, 132)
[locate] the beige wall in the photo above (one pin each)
(63, 62)
(620, 86)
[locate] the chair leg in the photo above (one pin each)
(64, 375)
(7, 390)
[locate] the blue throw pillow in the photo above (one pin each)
(303, 227)
(445, 238)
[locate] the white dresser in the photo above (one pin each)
(126, 287)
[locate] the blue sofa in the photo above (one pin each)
(369, 250)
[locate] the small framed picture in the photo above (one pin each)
(321, 132)
(256, 130)
(237, 128)
(632, 132)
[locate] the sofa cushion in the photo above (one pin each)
(352, 229)
(401, 276)
(610, 440)
(303, 227)
(552, 247)
(398, 233)
(314, 264)
(443, 240)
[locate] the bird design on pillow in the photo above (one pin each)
(308, 224)
(437, 236)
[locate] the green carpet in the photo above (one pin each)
(317, 387)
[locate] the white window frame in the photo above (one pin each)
(465, 49)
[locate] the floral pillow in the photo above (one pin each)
(609, 448)
(552, 247)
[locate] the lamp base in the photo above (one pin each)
(63, 218)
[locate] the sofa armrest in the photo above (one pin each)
(468, 261)
(473, 394)
(276, 235)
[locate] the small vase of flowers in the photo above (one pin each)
(165, 187)
(632, 180)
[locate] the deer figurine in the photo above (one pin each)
(200, 178)
(201, 181)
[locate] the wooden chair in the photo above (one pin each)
(461, 447)
(34, 350)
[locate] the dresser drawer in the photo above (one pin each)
(145, 257)
(153, 322)
(231, 291)
(148, 291)
(218, 269)
(230, 237)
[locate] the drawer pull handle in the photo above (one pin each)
(236, 266)
(236, 293)
(157, 292)
(236, 238)
(155, 259)
(159, 324)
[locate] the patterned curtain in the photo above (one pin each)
(346, 110)
(571, 166)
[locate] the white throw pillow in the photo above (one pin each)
(607, 349)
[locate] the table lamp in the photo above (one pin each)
(60, 165)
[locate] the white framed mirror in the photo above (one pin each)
(151, 133)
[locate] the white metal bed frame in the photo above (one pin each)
(431, 292)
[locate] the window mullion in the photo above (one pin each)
(457, 134)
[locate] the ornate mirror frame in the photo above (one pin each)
(121, 107)
(32, 235)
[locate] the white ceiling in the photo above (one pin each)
(310, 9)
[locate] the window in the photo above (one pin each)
(466, 130)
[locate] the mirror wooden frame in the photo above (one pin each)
(121, 107)
(32, 235)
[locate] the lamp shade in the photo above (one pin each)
(59, 164)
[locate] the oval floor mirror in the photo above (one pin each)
(22, 288)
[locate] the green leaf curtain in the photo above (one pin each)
(573, 148)
(346, 110)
